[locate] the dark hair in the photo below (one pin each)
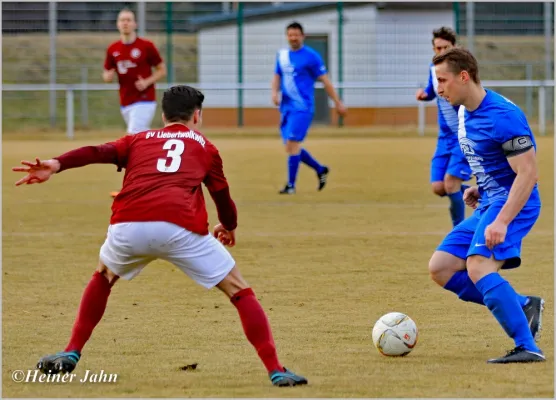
(295, 25)
(180, 102)
(459, 59)
(444, 33)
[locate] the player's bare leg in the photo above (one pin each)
(438, 188)
(442, 266)
(257, 328)
(91, 310)
(452, 184)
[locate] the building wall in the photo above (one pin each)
(391, 46)
(379, 46)
(217, 52)
(387, 117)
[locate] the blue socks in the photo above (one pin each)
(466, 290)
(501, 299)
(464, 287)
(293, 167)
(457, 207)
(308, 159)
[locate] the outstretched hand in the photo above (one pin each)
(37, 172)
(227, 238)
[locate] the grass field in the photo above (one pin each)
(325, 266)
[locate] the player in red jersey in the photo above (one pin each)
(161, 214)
(132, 58)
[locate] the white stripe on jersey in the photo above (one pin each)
(288, 77)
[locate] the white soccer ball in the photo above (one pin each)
(395, 334)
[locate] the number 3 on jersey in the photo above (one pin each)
(175, 150)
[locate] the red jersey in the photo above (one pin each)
(165, 170)
(131, 61)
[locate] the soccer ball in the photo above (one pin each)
(395, 334)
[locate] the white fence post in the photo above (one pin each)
(421, 118)
(542, 110)
(52, 29)
(69, 113)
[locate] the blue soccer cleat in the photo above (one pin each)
(64, 362)
(286, 378)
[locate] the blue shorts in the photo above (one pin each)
(294, 125)
(468, 238)
(448, 159)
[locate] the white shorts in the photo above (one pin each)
(129, 247)
(139, 116)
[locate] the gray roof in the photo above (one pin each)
(294, 9)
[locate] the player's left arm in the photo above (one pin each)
(319, 70)
(523, 160)
(516, 139)
(219, 190)
(155, 60)
(158, 73)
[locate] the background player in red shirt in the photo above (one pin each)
(161, 214)
(133, 59)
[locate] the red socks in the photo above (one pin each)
(253, 318)
(91, 309)
(256, 327)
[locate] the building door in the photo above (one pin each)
(319, 43)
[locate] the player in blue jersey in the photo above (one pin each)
(496, 139)
(449, 168)
(297, 69)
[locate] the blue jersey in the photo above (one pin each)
(481, 135)
(298, 71)
(447, 114)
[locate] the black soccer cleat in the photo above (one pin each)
(288, 189)
(64, 362)
(533, 311)
(286, 378)
(519, 355)
(323, 176)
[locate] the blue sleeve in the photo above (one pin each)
(317, 66)
(429, 90)
(511, 124)
(277, 69)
